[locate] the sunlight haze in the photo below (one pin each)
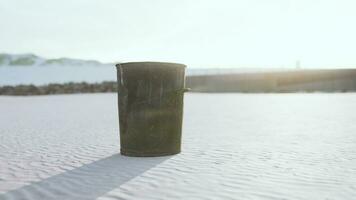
(253, 33)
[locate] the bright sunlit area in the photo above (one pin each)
(255, 33)
(188, 99)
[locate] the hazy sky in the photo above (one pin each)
(242, 33)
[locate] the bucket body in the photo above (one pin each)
(150, 98)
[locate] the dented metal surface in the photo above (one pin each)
(150, 102)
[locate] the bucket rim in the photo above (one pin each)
(142, 64)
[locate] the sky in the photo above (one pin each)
(199, 33)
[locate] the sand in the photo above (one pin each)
(235, 146)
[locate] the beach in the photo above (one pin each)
(234, 146)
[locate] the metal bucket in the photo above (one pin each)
(150, 97)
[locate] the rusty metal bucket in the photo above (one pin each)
(150, 98)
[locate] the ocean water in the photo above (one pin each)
(235, 146)
(40, 75)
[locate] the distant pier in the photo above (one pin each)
(326, 80)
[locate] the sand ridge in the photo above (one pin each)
(235, 146)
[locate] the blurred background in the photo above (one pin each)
(257, 43)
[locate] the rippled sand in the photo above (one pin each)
(235, 146)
